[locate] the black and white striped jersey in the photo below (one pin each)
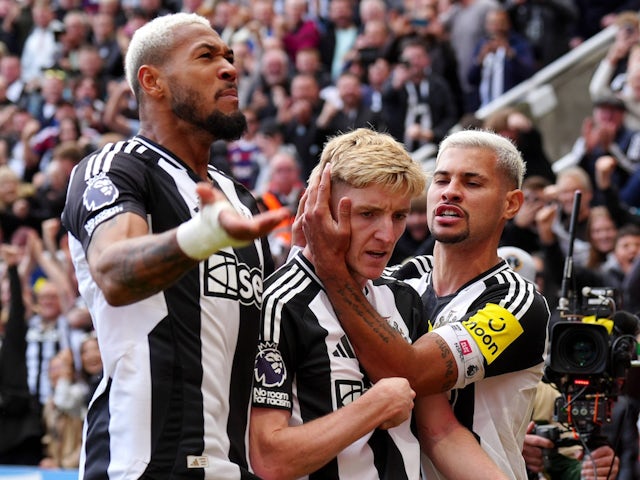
(496, 325)
(178, 365)
(305, 364)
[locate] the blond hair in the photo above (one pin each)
(364, 157)
(152, 43)
(509, 159)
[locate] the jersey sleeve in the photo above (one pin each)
(96, 196)
(275, 361)
(498, 336)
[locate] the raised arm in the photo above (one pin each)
(128, 264)
(280, 452)
(371, 334)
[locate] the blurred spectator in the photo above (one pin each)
(74, 35)
(244, 155)
(103, 30)
(501, 60)
(623, 204)
(91, 66)
(296, 30)
(416, 232)
(464, 21)
(91, 361)
(259, 26)
(271, 87)
(12, 32)
(51, 190)
(120, 110)
(297, 115)
(351, 113)
(63, 414)
(604, 133)
(561, 198)
(378, 74)
(601, 235)
(224, 19)
(518, 127)
(372, 43)
(40, 47)
(11, 70)
(246, 63)
(285, 189)
(48, 333)
(15, 206)
(88, 104)
(418, 104)
(611, 74)
(547, 25)
(620, 261)
(423, 22)
(594, 15)
(43, 103)
(631, 287)
(339, 34)
(521, 231)
(308, 62)
(20, 417)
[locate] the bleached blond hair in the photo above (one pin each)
(152, 43)
(508, 157)
(365, 157)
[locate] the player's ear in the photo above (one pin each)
(513, 202)
(151, 81)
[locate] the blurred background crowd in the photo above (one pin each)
(307, 70)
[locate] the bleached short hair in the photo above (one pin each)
(509, 159)
(365, 157)
(152, 43)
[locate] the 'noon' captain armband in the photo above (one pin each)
(202, 236)
(466, 352)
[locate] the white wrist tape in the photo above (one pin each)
(202, 236)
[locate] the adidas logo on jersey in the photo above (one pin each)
(194, 461)
(343, 349)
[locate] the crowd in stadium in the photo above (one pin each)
(307, 71)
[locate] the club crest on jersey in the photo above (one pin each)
(99, 193)
(270, 370)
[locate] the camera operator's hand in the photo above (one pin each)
(606, 464)
(532, 449)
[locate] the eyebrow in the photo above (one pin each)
(446, 173)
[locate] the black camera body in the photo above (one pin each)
(588, 359)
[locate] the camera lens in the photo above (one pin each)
(582, 350)
(579, 348)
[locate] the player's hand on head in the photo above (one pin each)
(327, 238)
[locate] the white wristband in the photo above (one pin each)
(202, 236)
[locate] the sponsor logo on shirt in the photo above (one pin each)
(227, 278)
(493, 328)
(347, 391)
(99, 193)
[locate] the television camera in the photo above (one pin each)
(591, 349)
